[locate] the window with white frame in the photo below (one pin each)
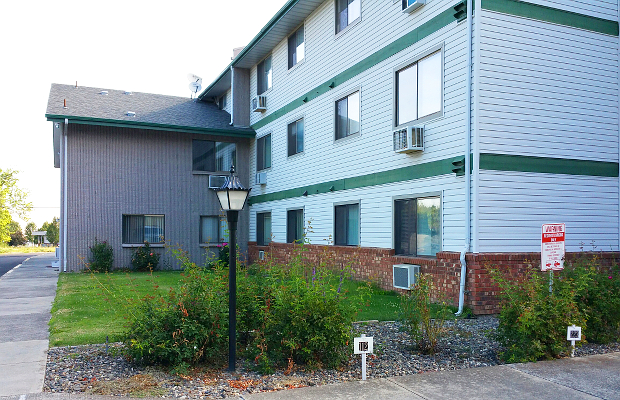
(348, 115)
(211, 156)
(347, 12)
(263, 152)
(138, 229)
(296, 48)
(264, 76)
(295, 226)
(419, 89)
(213, 229)
(347, 225)
(417, 226)
(296, 137)
(263, 228)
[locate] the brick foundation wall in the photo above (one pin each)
(376, 264)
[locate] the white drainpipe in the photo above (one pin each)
(232, 94)
(467, 162)
(64, 197)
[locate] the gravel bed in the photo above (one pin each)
(92, 369)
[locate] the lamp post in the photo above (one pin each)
(232, 196)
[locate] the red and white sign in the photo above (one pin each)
(552, 247)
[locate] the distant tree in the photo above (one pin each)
(30, 227)
(14, 227)
(53, 231)
(17, 239)
(12, 201)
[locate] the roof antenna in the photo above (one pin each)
(65, 103)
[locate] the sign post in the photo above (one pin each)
(552, 249)
(573, 334)
(362, 345)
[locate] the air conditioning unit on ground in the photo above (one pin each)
(259, 104)
(216, 181)
(408, 139)
(405, 275)
(261, 178)
(261, 255)
(410, 6)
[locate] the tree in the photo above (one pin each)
(12, 201)
(30, 227)
(53, 231)
(17, 239)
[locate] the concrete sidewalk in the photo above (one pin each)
(26, 296)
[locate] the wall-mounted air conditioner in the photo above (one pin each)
(405, 275)
(410, 6)
(408, 139)
(261, 255)
(259, 104)
(216, 181)
(261, 178)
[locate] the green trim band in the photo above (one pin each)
(553, 15)
(426, 170)
(505, 162)
(150, 125)
(440, 21)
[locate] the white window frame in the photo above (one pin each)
(335, 109)
(359, 221)
(270, 150)
(223, 223)
(152, 244)
(294, 120)
(350, 25)
(257, 75)
(303, 221)
(268, 241)
(421, 195)
(299, 62)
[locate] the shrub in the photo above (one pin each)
(416, 314)
(101, 257)
(533, 321)
(144, 259)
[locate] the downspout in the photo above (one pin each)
(467, 161)
(232, 94)
(64, 197)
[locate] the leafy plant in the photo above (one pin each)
(145, 259)
(101, 257)
(417, 314)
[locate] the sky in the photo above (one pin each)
(142, 46)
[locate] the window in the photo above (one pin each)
(348, 115)
(347, 12)
(213, 229)
(296, 48)
(418, 89)
(263, 228)
(296, 137)
(294, 226)
(222, 102)
(263, 152)
(213, 156)
(264, 76)
(417, 226)
(347, 226)
(138, 229)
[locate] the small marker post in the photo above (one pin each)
(363, 362)
(573, 334)
(362, 345)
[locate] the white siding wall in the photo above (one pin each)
(606, 9)
(228, 107)
(516, 204)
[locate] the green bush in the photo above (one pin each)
(101, 257)
(145, 259)
(417, 314)
(533, 321)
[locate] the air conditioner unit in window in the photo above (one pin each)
(410, 6)
(408, 139)
(405, 275)
(261, 178)
(259, 104)
(216, 181)
(261, 255)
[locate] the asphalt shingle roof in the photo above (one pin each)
(86, 103)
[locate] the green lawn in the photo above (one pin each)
(4, 249)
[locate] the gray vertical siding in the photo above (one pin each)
(116, 171)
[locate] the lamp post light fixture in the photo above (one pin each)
(232, 196)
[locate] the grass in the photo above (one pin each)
(4, 249)
(89, 307)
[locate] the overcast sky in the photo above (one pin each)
(143, 46)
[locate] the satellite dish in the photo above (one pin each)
(194, 87)
(194, 78)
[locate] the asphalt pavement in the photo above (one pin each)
(9, 261)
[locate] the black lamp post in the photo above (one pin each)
(232, 196)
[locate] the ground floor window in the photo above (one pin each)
(417, 223)
(294, 226)
(346, 224)
(138, 229)
(263, 228)
(213, 229)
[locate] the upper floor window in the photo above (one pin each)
(264, 76)
(347, 12)
(138, 229)
(296, 137)
(296, 48)
(263, 152)
(222, 102)
(213, 156)
(348, 115)
(419, 89)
